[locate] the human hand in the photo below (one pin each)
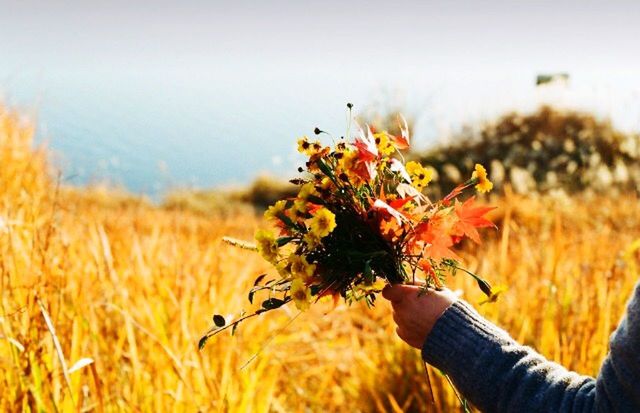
(416, 313)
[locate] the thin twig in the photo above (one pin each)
(215, 330)
(240, 243)
(426, 370)
(463, 402)
(269, 340)
(58, 347)
(177, 365)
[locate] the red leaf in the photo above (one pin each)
(471, 217)
(399, 203)
(387, 210)
(429, 272)
(402, 141)
(366, 145)
(313, 208)
(365, 170)
(454, 193)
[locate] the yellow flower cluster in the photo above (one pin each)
(420, 175)
(483, 183)
(346, 161)
(322, 223)
(384, 144)
(301, 268)
(308, 148)
(301, 294)
(267, 245)
(276, 209)
(296, 267)
(301, 273)
(300, 205)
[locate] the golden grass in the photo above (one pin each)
(132, 287)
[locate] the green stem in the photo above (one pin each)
(463, 402)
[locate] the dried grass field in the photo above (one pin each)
(89, 274)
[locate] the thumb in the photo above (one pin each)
(397, 292)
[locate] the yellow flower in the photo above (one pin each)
(495, 293)
(299, 209)
(267, 245)
(384, 144)
(284, 269)
(301, 268)
(308, 148)
(412, 167)
(374, 287)
(322, 223)
(300, 205)
(307, 190)
(325, 183)
(301, 294)
(276, 209)
(346, 161)
(312, 240)
(480, 174)
(420, 176)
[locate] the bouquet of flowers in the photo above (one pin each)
(359, 221)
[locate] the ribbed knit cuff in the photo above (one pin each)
(459, 336)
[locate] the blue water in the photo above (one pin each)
(153, 134)
(148, 135)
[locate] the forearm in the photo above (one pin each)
(496, 374)
(618, 384)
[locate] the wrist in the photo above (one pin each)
(458, 336)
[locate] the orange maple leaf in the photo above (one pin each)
(470, 218)
(390, 229)
(437, 239)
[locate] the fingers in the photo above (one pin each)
(392, 293)
(400, 333)
(397, 292)
(396, 317)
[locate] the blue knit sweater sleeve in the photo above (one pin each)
(496, 374)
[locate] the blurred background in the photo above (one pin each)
(135, 135)
(158, 95)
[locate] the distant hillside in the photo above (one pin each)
(546, 150)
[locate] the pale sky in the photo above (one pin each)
(372, 35)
